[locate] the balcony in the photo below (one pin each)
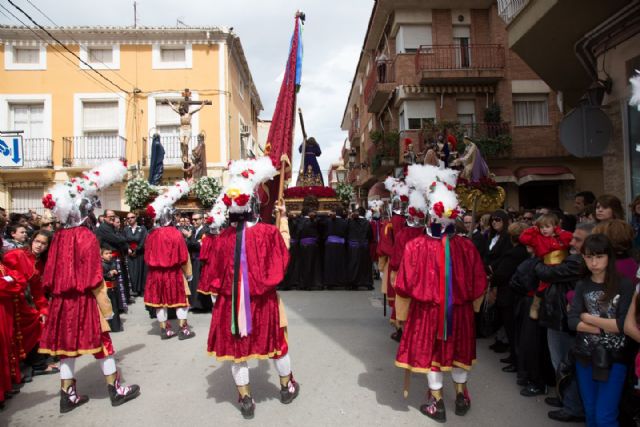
(89, 151)
(37, 153)
(509, 9)
(380, 84)
(437, 64)
(354, 133)
(172, 152)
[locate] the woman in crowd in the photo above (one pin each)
(17, 234)
(635, 221)
(598, 311)
(608, 207)
(621, 236)
(32, 307)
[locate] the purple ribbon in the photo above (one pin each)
(335, 239)
(358, 244)
(245, 282)
(309, 241)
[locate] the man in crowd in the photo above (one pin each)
(478, 239)
(194, 243)
(109, 238)
(582, 200)
(359, 267)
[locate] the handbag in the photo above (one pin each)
(487, 318)
(601, 363)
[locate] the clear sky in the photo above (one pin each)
(333, 37)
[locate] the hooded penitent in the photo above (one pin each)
(161, 209)
(399, 195)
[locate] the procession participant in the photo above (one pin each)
(136, 235)
(248, 261)
(335, 250)
(168, 264)
(359, 263)
(109, 237)
(78, 308)
(309, 260)
(376, 222)
(31, 306)
(194, 244)
(110, 277)
(292, 278)
(440, 277)
(11, 286)
(216, 221)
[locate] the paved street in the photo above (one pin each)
(341, 356)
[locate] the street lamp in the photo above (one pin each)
(341, 174)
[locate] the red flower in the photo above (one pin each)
(209, 220)
(247, 172)
(124, 162)
(73, 180)
(97, 173)
(404, 198)
(449, 187)
(79, 188)
(241, 200)
(226, 200)
(415, 212)
(438, 208)
(47, 201)
(151, 212)
(454, 214)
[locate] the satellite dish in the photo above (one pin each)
(586, 131)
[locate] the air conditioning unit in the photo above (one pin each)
(245, 131)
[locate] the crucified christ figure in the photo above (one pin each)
(182, 108)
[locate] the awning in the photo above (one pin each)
(503, 175)
(378, 191)
(543, 173)
(448, 88)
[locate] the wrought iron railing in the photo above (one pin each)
(382, 72)
(82, 151)
(487, 130)
(509, 9)
(37, 153)
(171, 145)
(460, 57)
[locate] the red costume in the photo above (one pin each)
(377, 227)
(165, 254)
(420, 278)
(551, 249)
(266, 260)
(73, 274)
(401, 239)
(207, 285)
(28, 316)
(11, 287)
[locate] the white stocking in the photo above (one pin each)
(459, 375)
(108, 365)
(283, 365)
(240, 372)
(161, 314)
(181, 313)
(435, 380)
(67, 368)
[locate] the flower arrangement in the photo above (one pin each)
(207, 190)
(344, 192)
(301, 192)
(138, 193)
(485, 184)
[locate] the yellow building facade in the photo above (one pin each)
(99, 94)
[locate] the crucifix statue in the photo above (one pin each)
(182, 108)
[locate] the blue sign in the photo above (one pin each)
(11, 154)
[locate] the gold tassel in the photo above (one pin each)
(65, 384)
(284, 381)
(244, 390)
(111, 379)
(460, 387)
(437, 394)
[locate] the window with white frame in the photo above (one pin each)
(110, 198)
(25, 199)
(25, 57)
(28, 118)
(466, 111)
(167, 120)
(100, 57)
(171, 56)
(416, 114)
(100, 118)
(410, 37)
(530, 110)
(245, 135)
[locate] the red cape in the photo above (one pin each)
(9, 352)
(165, 252)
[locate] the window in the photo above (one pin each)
(167, 120)
(100, 118)
(25, 57)
(411, 37)
(417, 114)
(530, 110)
(25, 199)
(171, 56)
(103, 55)
(241, 87)
(110, 198)
(466, 111)
(461, 39)
(245, 135)
(100, 57)
(28, 118)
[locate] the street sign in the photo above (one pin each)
(11, 153)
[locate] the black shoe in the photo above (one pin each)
(533, 390)
(565, 417)
(289, 392)
(553, 401)
(509, 360)
(463, 403)
(397, 335)
(70, 400)
(522, 382)
(501, 347)
(435, 410)
(186, 333)
(510, 368)
(247, 407)
(120, 394)
(167, 333)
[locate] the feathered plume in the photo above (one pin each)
(421, 177)
(168, 199)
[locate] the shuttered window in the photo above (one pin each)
(100, 117)
(24, 199)
(26, 55)
(172, 54)
(411, 37)
(100, 55)
(28, 118)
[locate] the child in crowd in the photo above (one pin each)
(597, 313)
(110, 276)
(551, 244)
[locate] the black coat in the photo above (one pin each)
(109, 238)
(504, 269)
(493, 255)
(562, 279)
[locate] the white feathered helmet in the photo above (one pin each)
(161, 209)
(399, 195)
(72, 201)
(443, 200)
(238, 196)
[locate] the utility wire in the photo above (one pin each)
(74, 66)
(72, 38)
(65, 47)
